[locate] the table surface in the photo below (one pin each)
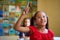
(17, 37)
(9, 37)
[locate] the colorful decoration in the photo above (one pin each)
(10, 11)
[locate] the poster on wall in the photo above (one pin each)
(13, 12)
(11, 8)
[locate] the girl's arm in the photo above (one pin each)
(18, 26)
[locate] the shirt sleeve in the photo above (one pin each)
(31, 30)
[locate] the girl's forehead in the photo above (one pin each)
(40, 14)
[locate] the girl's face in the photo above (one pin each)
(41, 19)
(27, 22)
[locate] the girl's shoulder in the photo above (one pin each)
(50, 32)
(32, 29)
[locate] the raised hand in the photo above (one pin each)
(26, 9)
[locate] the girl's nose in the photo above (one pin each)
(42, 18)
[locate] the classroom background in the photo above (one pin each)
(10, 11)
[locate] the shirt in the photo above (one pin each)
(36, 35)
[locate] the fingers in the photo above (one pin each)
(26, 9)
(28, 4)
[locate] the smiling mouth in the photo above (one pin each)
(43, 21)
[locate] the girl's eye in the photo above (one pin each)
(43, 16)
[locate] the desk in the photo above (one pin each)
(9, 37)
(17, 37)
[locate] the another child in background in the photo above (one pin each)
(24, 35)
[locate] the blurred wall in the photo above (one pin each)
(52, 8)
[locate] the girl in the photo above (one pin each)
(39, 29)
